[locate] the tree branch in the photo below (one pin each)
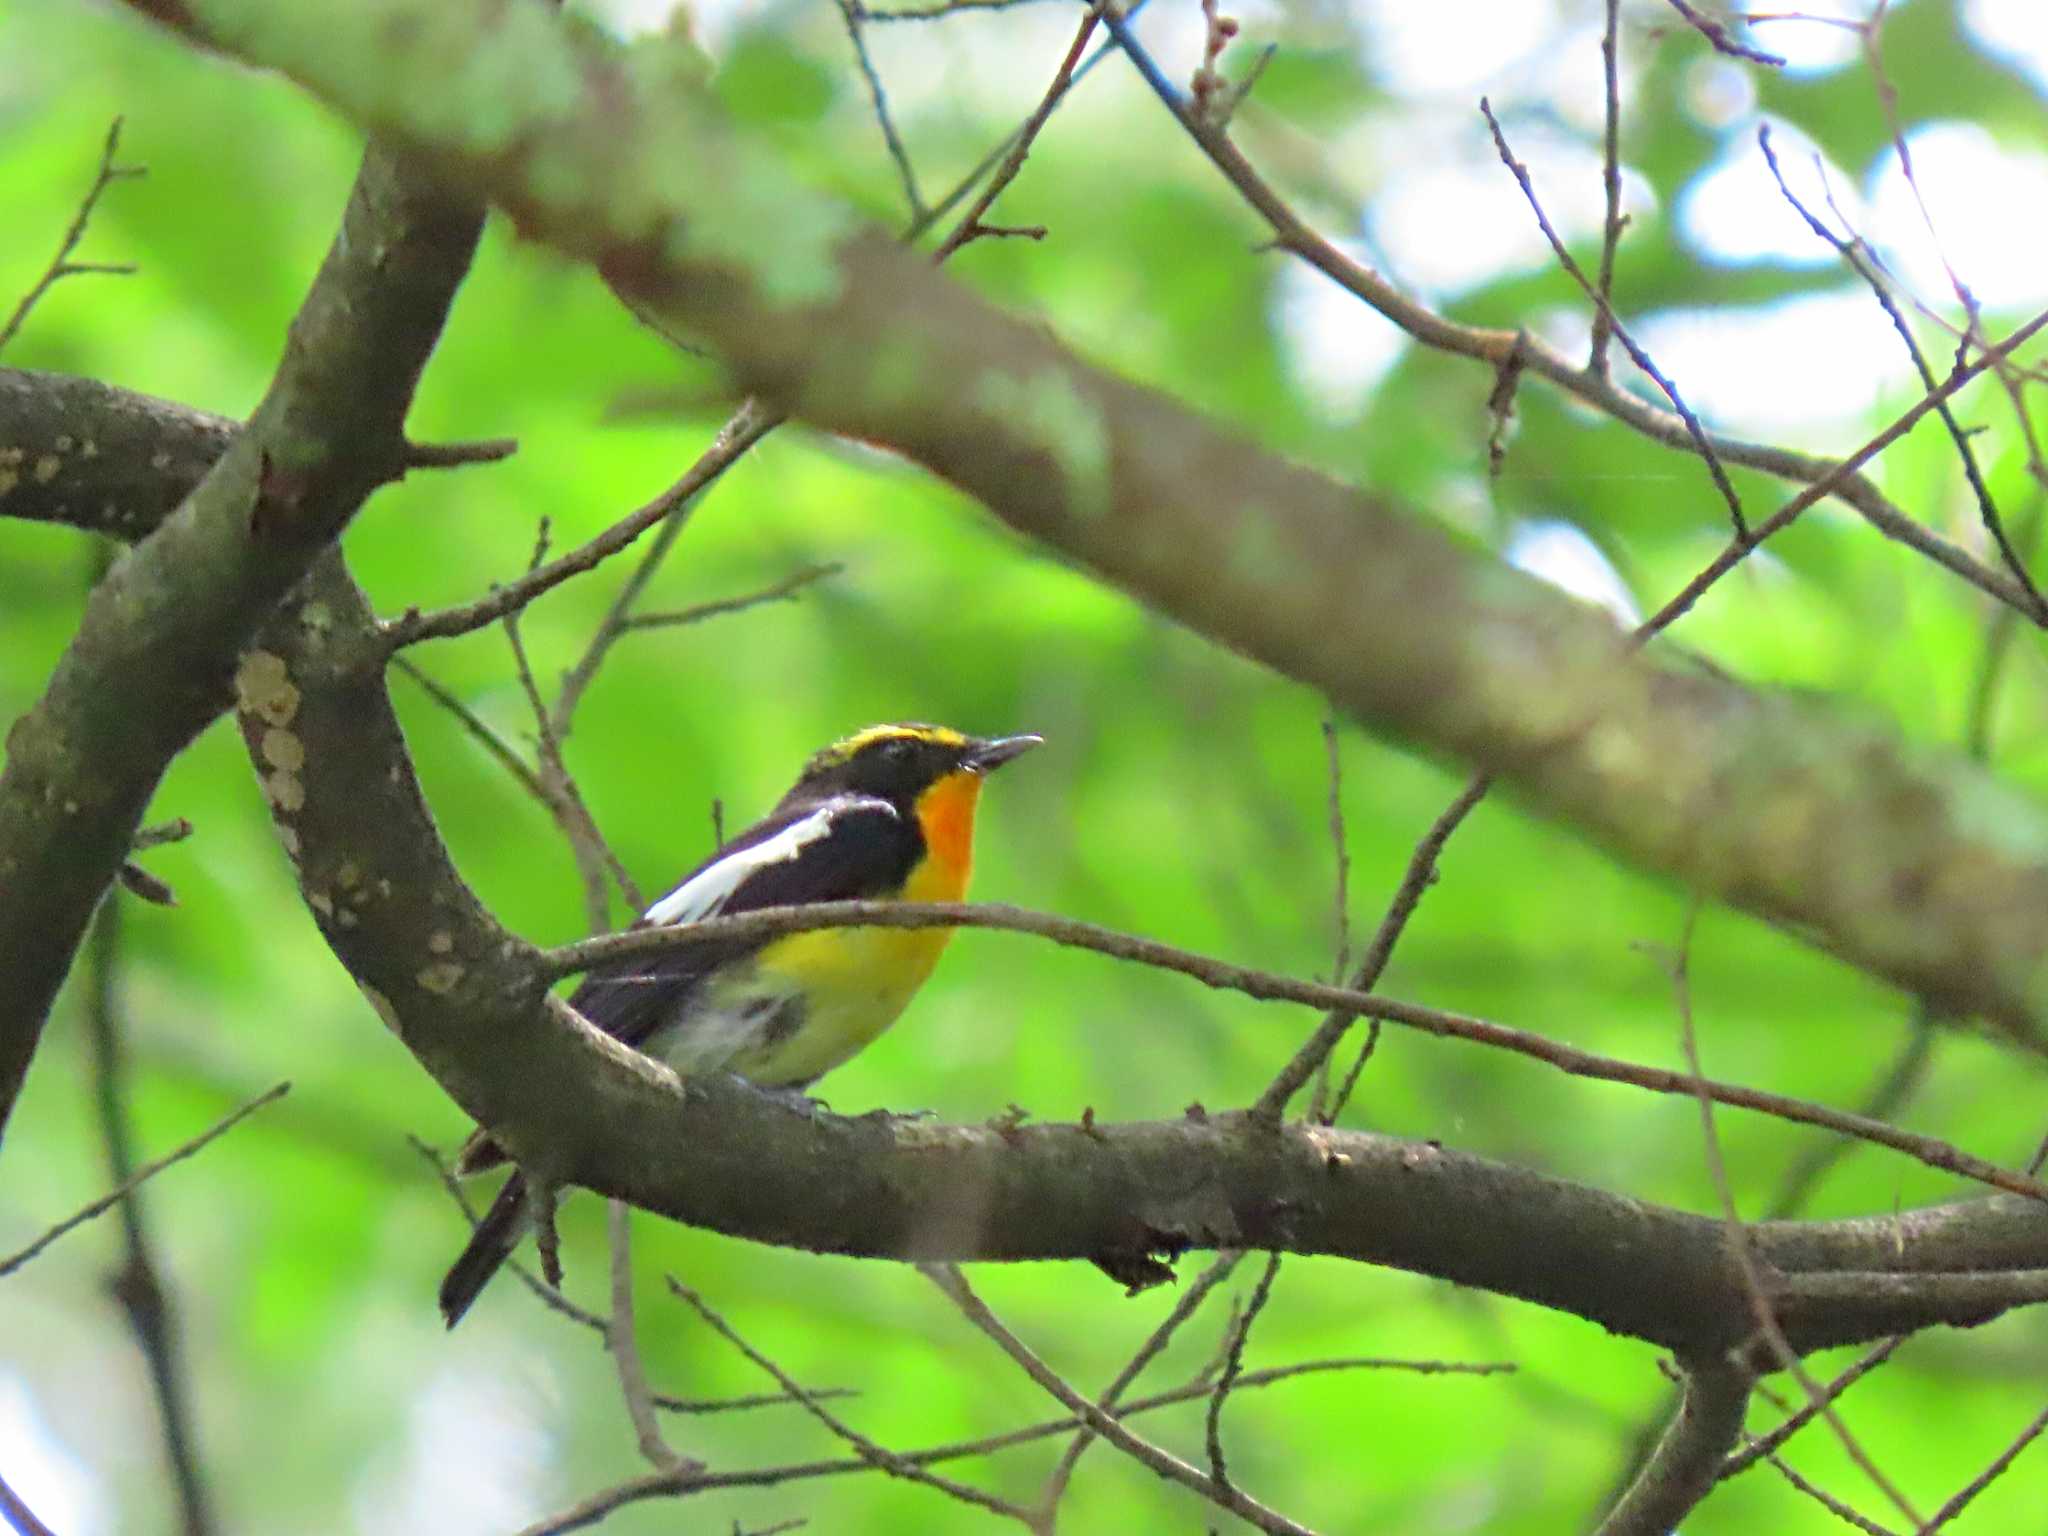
(1687, 1462)
(1908, 863)
(138, 1283)
(148, 666)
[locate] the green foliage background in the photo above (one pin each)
(1182, 794)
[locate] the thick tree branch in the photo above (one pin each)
(469, 1000)
(1687, 1462)
(109, 460)
(1911, 864)
(149, 665)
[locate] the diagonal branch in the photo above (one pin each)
(148, 667)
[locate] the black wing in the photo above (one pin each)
(841, 849)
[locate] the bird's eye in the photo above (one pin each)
(898, 751)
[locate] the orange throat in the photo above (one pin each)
(945, 814)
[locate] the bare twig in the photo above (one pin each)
(488, 450)
(476, 728)
(851, 13)
(785, 590)
(1340, 853)
(1764, 1445)
(747, 427)
(877, 1456)
(1823, 477)
(1991, 1474)
(544, 1196)
(625, 1347)
(138, 881)
(1233, 1368)
(1900, 1081)
(953, 1284)
(1610, 178)
(593, 853)
(1745, 1258)
(176, 830)
(1184, 1307)
(703, 1406)
(138, 1283)
(1340, 897)
(1268, 986)
(1602, 305)
(140, 1177)
(1828, 1501)
(19, 1515)
(970, 226)
(942, 9)
(672, 1485)
(1852, 254)
(1416, 879)
(1717, 34)
(61, 265)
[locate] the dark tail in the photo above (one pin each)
(489, 1246)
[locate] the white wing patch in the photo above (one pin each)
(705, 893)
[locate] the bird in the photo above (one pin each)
(884, 814)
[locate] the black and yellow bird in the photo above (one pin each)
(886, 814)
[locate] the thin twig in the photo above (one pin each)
(1233, 1368)
(850, 12)
(487, 450)
(592, 851)
(785, 590)
(1416, 880)
(670, 1485)
(877, 1456)
(476, 728)
(1340, 897)
(1717, 34)
(1991, 1474)
(953, 1284)
(1610, 178)
(1852, 255)
(61, 265)
(19, 1515)
(970, 226)
(1340, 853)
(1828, 1501)
(1822, 476)
(942, 9)
(701, 1406)
(1185, 1306)
(1739, 1245)
(625, 1347)
(1267, 986)
(544, 1197)
(1764, 1445)
(747, 427)
(176, 830)
(140, 1177)
(138, 1283)
(1602, 305)
(1901, 1080)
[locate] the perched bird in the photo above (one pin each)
(886, 814)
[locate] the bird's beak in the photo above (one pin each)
(985, 756)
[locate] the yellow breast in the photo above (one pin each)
(856, 981)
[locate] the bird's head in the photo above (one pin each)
(899, 763)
